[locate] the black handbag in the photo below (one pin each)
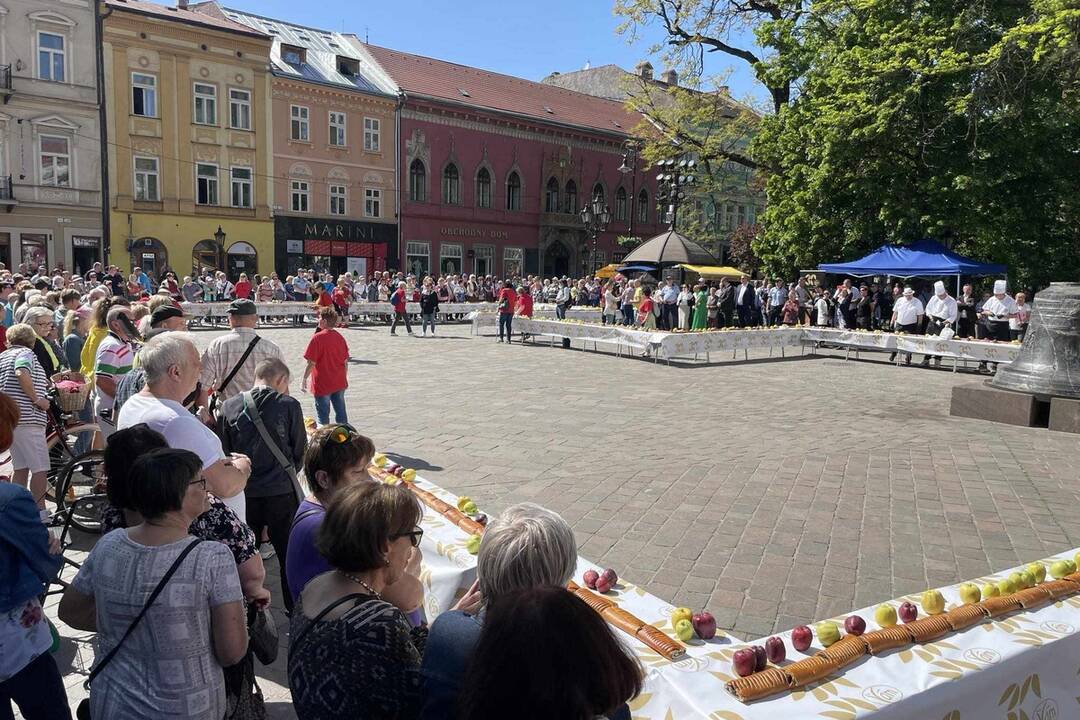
(262, 635)
(83, 711)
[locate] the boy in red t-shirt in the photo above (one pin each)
(341, 302)
(327, 355)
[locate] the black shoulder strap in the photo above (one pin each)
(240, 364)
(149, 601)
(340, 601)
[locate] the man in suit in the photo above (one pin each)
(744, 301)
(727, 303)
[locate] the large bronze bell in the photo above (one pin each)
(1049, 361)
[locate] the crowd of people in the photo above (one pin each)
(210, 463)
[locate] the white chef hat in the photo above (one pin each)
(999, 287)
(908, 291)
(939, 288)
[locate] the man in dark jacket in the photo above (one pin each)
(271, 492)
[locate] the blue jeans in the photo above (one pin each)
(505, 319)
(628, 314)
(322, 407)
(560, 312)
(428, 319)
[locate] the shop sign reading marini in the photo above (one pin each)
(338, 231)
(480, 233)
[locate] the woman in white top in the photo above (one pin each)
(611, 304)
(1018, 323)
(685, 302)
(821, 308)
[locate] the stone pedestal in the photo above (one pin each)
(1065, 415)
(983, 402)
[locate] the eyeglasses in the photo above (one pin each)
(414, 537)
(342, 433)
(200, 481)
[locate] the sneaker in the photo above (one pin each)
(393, 334)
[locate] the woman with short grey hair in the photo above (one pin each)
(526, 547)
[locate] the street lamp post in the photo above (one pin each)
(673, 177)
(629, 166)
(595, 216)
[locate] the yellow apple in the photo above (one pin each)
(933, 602)
(409, 475)
(1038, 571)
(1006, 586)
(990, 590)
(379, 460)
(473, 544)
(827, 632)
(684, 629)
(683, 613)
(970, 594)
(885, 615)
(1059, 569)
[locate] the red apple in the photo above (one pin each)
(760, 657)
(610, 576)
(854, 625)
(744, 661)
(589, 578)
(399, 470)
(801, 637)
(704, 625)
(602, 585)
(775, 650)
(908, 612)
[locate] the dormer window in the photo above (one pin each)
(348, 66)
(293, 55)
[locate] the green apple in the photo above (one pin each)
(1072, 566)
(970, 594)
(684, 629)
(1059, 569)
(1017, 580)
(1006, 586)
(683, 613)
(827, 632)
(1038, 571)
(473, 544)
(933, 602)
(1026, 579)
(1075, 561)
(885, 615)
(990, 590)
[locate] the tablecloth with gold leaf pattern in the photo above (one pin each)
(1023, 666)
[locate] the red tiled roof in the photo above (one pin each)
(191, 17)
(420, 75)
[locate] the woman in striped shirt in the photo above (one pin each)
(23, 379)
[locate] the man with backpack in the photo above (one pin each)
(267, 425)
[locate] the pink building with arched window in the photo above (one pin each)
(493, 171)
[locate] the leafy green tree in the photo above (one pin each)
(951, 120)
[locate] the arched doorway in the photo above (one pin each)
(149, 254)
(556, 260)
(241, 258)
(207, 254)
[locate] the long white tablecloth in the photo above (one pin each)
(1027, 661)
(684, 344)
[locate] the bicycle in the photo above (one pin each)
(75, 481)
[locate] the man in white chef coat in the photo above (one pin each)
(941, 312)
(995, 314)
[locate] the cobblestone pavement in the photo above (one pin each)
(772, 492)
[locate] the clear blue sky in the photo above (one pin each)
(526, 39)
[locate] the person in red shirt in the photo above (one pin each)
(243, 287)
(327, 355)
(397, 299)
(507, 301)
(524, 307)
(341, 301)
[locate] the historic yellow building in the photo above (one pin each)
(190, 162)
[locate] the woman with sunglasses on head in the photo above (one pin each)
(352, 653)
(337, 457)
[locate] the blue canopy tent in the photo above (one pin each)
(925, 258)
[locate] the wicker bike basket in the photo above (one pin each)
(72, 402)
